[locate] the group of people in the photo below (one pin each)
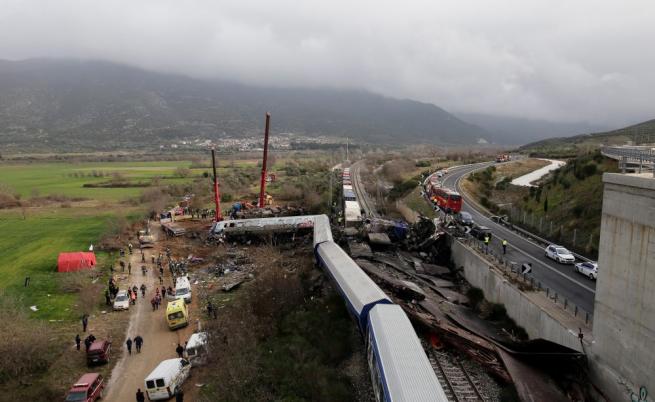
(138, 342)
(87, 341)
(156, 300)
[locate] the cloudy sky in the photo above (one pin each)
(561, 60)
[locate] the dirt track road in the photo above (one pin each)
(159, 342)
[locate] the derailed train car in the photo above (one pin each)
(399, 367)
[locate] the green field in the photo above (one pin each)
(29, 247)
(68, 179)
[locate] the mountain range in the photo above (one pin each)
(72, 105)
(517, 131)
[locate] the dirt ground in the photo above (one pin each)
(159, 342)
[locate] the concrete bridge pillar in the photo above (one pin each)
(622, 358)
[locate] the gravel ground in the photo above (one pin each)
(487, 385)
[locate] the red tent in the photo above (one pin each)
(69, 262)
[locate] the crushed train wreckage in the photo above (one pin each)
(413, 272)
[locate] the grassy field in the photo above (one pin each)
(68, 179)
(29, 247)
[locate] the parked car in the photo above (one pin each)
(88, 388)
(480, 232)
(464, 218)
(165, 380)
(588, 269)
(98, 352)
(559, 254)
(122, 301)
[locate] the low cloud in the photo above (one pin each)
(557, 60)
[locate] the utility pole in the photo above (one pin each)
(347, 143)
(262, 187)
(217, 195)
(330, 201)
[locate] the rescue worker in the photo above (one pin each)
(504, 246)
(138, 342)
(486, 243)
(128, 343)
(85, 322)
(211, 311)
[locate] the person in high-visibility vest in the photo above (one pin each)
(504, 246)
(486, 242)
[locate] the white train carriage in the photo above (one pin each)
(399, 367)
(352, 214)
(358, 290)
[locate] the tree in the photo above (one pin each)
(182, 172)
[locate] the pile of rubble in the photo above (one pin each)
(229, 274)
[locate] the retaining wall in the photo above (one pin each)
(537, 321)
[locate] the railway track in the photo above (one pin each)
(456, 381)
(364, 202)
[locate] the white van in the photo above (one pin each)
(183, 288)
(167, 378)
(196, 349)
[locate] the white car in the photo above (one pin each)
(588, 269)
(560, 254)
(122, 301)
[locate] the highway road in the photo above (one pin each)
(560, 278)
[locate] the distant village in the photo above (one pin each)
(285, 141)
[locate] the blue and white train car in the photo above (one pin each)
(358, 289)
(400, 370)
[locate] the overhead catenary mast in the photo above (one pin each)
(262, 186)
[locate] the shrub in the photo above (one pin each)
(475, 296)
(182, 172)
(24, 345)
(589, 169)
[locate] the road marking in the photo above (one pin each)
(505, 230)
